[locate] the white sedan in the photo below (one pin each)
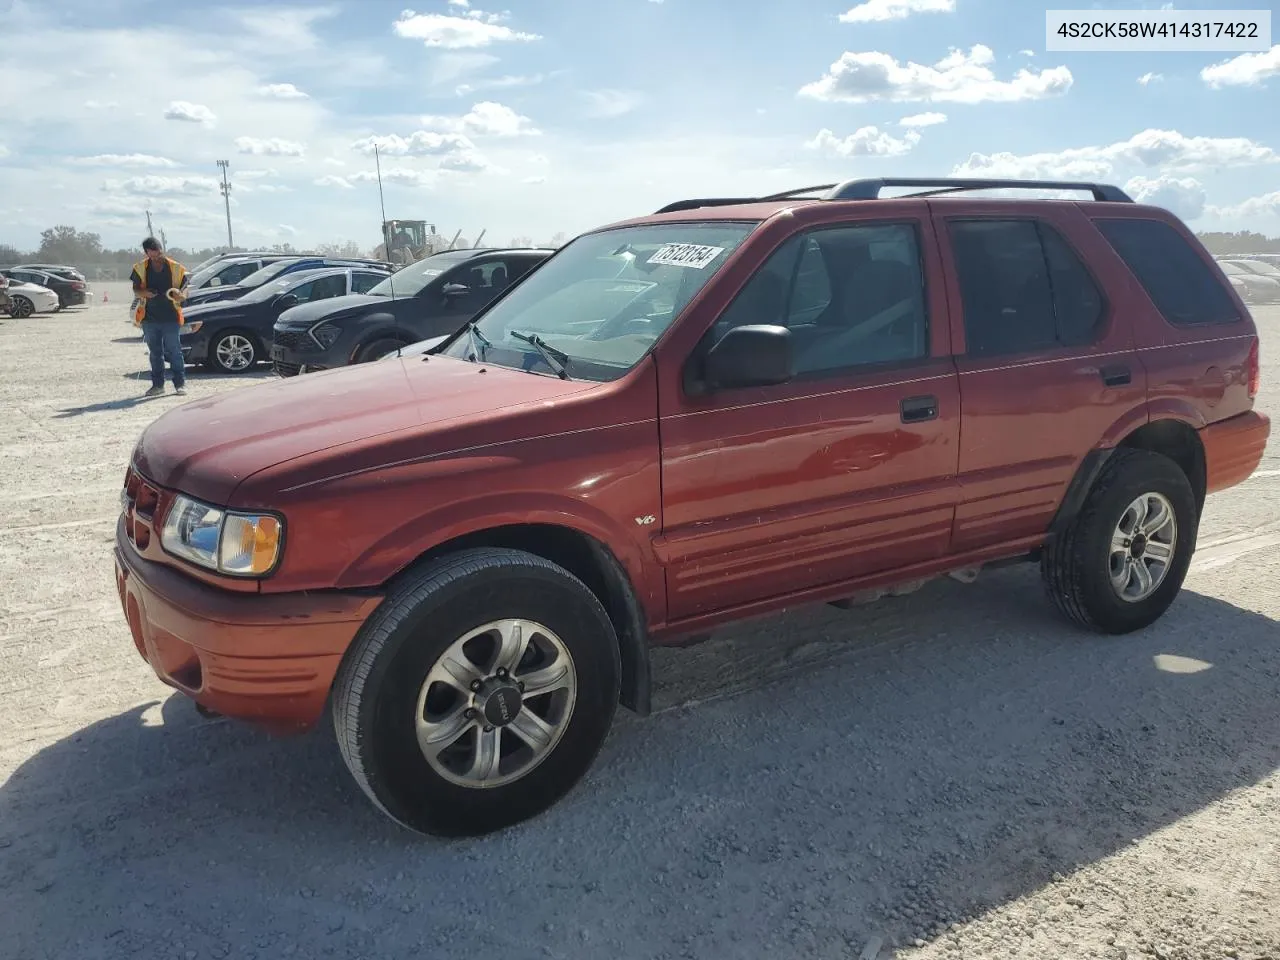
(28, 298)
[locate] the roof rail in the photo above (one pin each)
(870, 189)
(707, 202)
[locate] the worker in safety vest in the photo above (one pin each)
(158, 285)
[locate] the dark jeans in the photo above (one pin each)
(162, 341)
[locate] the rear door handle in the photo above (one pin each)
(919, 409)
(1116, 376)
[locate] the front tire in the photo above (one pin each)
(233, 351)
(378, 350)
(1121, 562)
(478, 693)
(21, 307)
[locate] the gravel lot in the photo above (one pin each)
(952, 774)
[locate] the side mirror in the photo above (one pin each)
(755, 355)
(287, 300)
(455, 289)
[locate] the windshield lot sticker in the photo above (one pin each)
(685, 255)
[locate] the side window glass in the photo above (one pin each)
(1173, 273)
(326, 287)
(763, 299)
(305, 291)
(811, 288)
(865, 295)
(1004, 286)
(364, 282)
(1077, 301)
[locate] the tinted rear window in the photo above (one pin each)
(1184, 288)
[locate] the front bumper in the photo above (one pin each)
(265, 658)
(294, 351)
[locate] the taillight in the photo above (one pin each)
(77, 285)
(1255, 369)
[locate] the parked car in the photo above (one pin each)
(4, 294)
(433, 296)
(276, 270)
(71, 293)
(228, 271)
(1258, 289)
(71, 273)
(28, 298)
(1259, 267)
(231, 337)
(467, 553)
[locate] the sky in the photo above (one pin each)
(531, 119)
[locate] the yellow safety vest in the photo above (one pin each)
(179, 275)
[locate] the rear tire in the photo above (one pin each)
(1140, 509)
(20, 307)
(383, 705)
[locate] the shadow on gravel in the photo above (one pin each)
(124, 403)
(807, 782)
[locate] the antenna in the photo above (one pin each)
(226, 199)
(386, 234)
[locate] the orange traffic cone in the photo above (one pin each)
(104, 296)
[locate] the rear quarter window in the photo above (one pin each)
(1186, 290)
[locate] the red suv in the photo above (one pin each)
(716, 411)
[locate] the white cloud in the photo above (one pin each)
(1246, 70)
(335, 162)
(876, 10)
(276, 28)
(459, 3)
(959, 77)
(399, 175)
(1166, 150)
(1184, 196)
(470, 31)
(255, 174)
(541, 179)
(486, 119)
(159, 186)
(1027, 53)
(190, 113)
(101, 104)
(270, 147)
(281, 91)
(1266, 205)
(504, 82)
(423, 143)
(1149, 78)
(605, 104)
(125, 160)
(864, 142)
(333, 180)
(923, 120)
(4, 151)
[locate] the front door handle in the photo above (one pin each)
(919, 409)
(1116, 376)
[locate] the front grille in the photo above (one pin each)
(292, 339)
(141, 500)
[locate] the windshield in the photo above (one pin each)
(410, 281)
(602, 302)
(268, 290)
(269, 272)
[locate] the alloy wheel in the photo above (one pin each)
(1143, 546)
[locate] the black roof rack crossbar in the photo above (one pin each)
(870, 189)
(707, 202)
(788, 194)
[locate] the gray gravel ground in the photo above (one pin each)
(957, 773)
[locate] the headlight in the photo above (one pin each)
(237, 544)
(325, 334)
(190, 327)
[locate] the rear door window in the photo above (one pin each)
(1179, 282)
(1022, 288)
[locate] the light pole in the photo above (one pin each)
(226, 199)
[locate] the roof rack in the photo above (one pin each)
(869, 189)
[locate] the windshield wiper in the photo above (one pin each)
(479, 342)
(556, 359)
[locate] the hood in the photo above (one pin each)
(305, 314)
(208, 447)
(195, 311)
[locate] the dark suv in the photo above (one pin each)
(431, 297)
(721, 410)
(276, 270)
